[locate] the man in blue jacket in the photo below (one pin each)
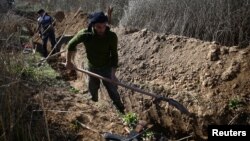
(46, 30)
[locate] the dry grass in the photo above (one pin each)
(15, 93)
(20, 79)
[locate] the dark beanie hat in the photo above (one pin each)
(97, 17)
(40, 11)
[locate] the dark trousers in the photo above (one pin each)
(94, 85)
(51, 36)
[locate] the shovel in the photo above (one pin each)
(172, 102)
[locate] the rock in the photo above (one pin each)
(157, 38)
(213, 54)
(231, 72)
(173, 77)
(144, 32)
(142, 65)
(178, 39)
(156, 49)
(130, 30)
(224, 50)
(205, 83)
(207, 75)
(215, 42)
(135, 35)
(233, 49)
(208, 80)
(139, 57)
(243, 52)
(210, 95)
(227, 75)
(141, 43)
(146, 41)
(133, 69)
(220, 64)
(176, 47)
(191, 87)
(163, 38)
(235, 86)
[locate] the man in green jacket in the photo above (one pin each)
(101, 49)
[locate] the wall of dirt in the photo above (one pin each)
(205, 77)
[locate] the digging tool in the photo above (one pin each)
(135, 134)
(43, 60)
(172, 102)
(111, 139)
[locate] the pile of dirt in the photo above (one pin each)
(71, 22)
(205, 77)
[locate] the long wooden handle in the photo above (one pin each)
(169, 100)
(159, 97)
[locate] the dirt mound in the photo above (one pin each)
(203, 76)
(60, 16)
(72, 22)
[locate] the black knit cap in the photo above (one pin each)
(40, 11)
(97, 17)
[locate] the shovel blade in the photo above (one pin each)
(177, 105)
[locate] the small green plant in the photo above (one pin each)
(234, 103)
(74, 126)
(130, 119)
(148, 135)
(74, 90)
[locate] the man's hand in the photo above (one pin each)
(69, 65)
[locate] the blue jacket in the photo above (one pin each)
(44, 22)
